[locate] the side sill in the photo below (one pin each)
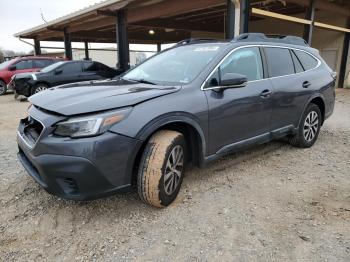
(250, 142)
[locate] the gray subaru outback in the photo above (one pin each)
(192, 103)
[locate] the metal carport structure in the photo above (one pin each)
(131, 21)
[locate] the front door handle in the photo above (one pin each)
(306, 84)
(266, 93)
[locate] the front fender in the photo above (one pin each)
(176, 117)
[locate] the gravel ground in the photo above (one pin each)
(270, 203)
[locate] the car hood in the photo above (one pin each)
(94, 96)
(27, 75)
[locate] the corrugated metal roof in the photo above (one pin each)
(80, 13)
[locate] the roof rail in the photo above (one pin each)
(194, 40)
(260, 37)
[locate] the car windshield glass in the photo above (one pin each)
(52, 67)
(5, 64)
(176, 66)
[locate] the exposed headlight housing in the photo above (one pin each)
(90, 125)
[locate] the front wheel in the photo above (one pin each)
(39, 88)
(161, 169)
(3, 88)
(309, 128)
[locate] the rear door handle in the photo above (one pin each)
(306, 84)
(266, 93)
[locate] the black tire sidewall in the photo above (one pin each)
(164, 198)
(2, 83)
(303, 141)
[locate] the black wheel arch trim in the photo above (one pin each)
(172, 118)
(312, 97)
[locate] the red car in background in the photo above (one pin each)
(22, 65)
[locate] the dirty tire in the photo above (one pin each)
(299, 140)
(3, 88)
(151, 175)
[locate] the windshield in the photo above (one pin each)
(5, 64)
(52, 67)
(175, 67)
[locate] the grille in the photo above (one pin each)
(32, 129)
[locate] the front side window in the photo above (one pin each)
(71, 68)
(245, 61)
(52, 67)
(307, 60)
(279, 61)
(25, 64)
(180, 65)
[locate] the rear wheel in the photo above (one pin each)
(309, 128)
(162, 168)
(3, 88)
(39, 88)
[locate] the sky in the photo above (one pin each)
(19, 15)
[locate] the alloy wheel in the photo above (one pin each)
(40, 89)
(311, 126)
(173, 170)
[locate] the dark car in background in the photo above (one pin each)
(60, 73)
(192, 103)
(22, 65)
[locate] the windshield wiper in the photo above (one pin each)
(143, 81)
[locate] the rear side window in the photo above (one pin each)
(41, 63)
(307, 60)
(25, 64)
(298, 67)
(71, 68)
(91, 67)
(279, 61)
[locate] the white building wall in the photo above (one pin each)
(110, 57)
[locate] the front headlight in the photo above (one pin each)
(90, 125)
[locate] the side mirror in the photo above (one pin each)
(232, 80)
(12, 68)
(58, 71)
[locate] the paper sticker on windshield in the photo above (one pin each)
(206, 49)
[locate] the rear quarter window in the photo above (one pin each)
(306, 60)
(279, 61)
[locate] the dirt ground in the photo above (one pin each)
(271, 203)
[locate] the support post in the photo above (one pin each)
(230, 20)
(86, 44)
(37, 48)
(159, 47)
(344, 59)
(67, 45)
(245, 15)
(122, 41)
(310, 15)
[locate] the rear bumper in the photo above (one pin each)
(94, 168)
